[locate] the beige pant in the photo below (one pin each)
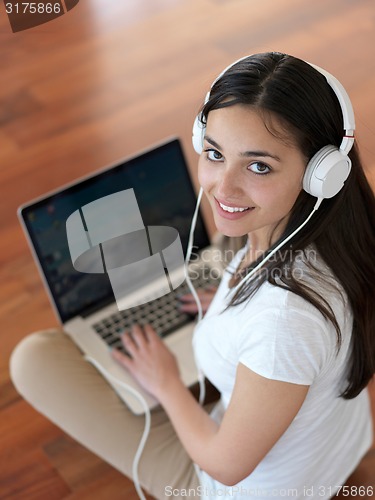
(50, 373)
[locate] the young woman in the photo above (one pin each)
(291, 350)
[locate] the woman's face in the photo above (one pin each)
(251, 178)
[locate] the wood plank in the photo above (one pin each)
(24, 470)
(32, 478)
(94, 86)
(85, 473)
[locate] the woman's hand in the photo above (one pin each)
(151, 363)
(188, 304)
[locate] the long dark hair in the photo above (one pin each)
(343, 229)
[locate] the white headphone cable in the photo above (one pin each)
(202, 387)
(135, 393)
(188, 255)
(253, 271)
(138, 395)
(147, 427)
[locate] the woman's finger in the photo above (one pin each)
(205, 298)
(187, 297)
(139, 336)
(122, 358)
(208, 292)
(189, 308)
(129, 343)
(151, 334)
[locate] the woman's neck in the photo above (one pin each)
(250, 255)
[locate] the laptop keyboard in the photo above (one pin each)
(161, 313)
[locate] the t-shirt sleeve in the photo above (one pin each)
(289, 345)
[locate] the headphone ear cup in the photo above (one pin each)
(198, 135)
(326, 172)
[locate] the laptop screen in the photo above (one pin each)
(165, 196)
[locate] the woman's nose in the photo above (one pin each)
(229, 184)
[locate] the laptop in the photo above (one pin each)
(84, 289)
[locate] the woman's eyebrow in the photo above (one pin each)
(245, 153)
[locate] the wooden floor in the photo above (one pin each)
(102, 82)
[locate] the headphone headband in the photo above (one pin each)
(346, 108)
(330, 167)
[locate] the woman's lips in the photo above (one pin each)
(231, 215)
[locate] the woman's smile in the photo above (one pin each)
(232, 212)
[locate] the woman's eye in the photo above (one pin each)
(213, 155)
(259, 168)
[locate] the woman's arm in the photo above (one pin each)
(260, 410)
(259, 413)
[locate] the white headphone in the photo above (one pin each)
(329, 168)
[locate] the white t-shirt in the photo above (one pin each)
(281, 336)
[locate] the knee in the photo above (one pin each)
(27, 361)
